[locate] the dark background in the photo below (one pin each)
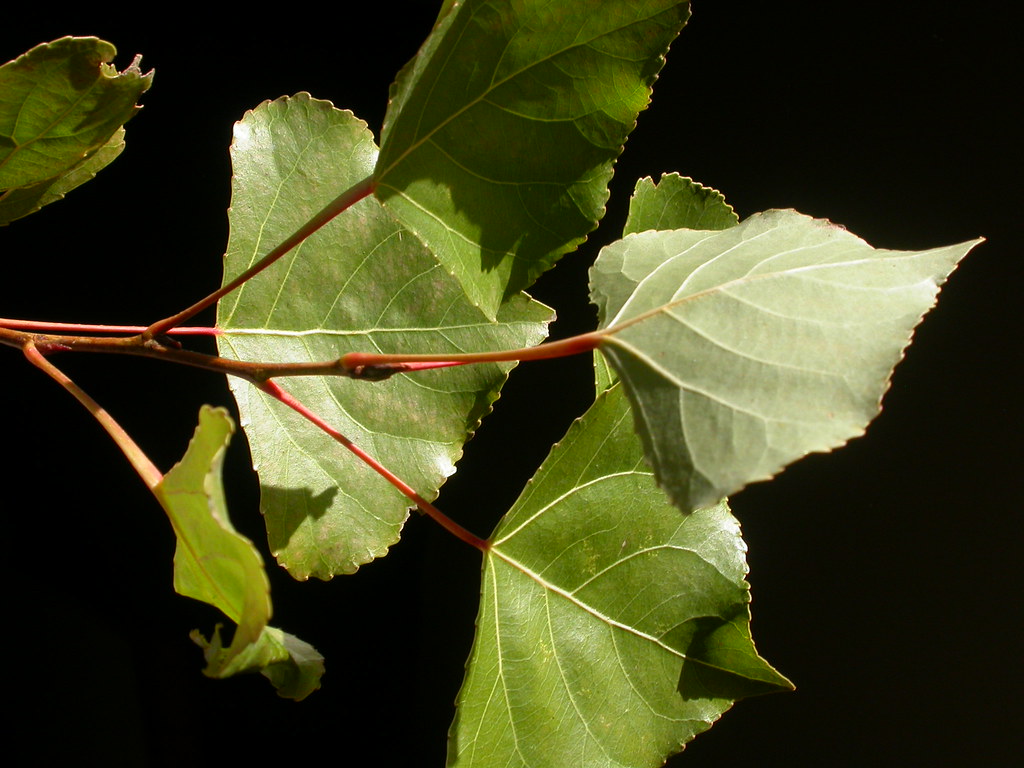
(886, 577)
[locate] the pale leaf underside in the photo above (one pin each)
(745, 349)
(674, 202)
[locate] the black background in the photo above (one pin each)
(886, 577)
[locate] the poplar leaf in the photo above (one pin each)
(745, 349)
(362, 283)
(215, 564)
(612, 629)
(675, 202)
(16, 203)
(61, 105)
(501, 134)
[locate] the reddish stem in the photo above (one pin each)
(574, 345)
(429, 509)
(42, 326)
(150, 475)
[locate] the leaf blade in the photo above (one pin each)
(60, 103)
(362, 283)
(596, 590)
(501, 134)
(216, 565)
(744, 350)
(677, 202)
(20, 202)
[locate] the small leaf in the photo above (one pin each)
(61, 103)
(677, 202)
(612, 629)
(215, 564)
(293, 666)
(362, 283)
(745, 349)
(501, 134)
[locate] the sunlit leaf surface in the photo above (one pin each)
(677, 202)
(612, 628)
(501, 134)
(362, 283)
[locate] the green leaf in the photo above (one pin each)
(500, 138)
(362, 283)
(16, 203)
(293, 666)
(604, 374)
(217, 565)
(61, 103)
(677, 202)
(612, 629)
(745, 349)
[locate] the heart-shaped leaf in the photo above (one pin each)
(362, 283)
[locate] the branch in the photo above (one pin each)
(150, 475)
(43, 326)
(354, 365)
(35, 347)
(573, 345)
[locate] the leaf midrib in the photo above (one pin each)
(548, 586)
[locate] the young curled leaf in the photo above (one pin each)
(217, 565)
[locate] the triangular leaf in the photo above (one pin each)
(612, 629)
(362, 283)
(59, 104)
(677, 202)
(745, 349)
(501, 134)
(217, 565)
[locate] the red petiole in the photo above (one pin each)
(272, 389)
